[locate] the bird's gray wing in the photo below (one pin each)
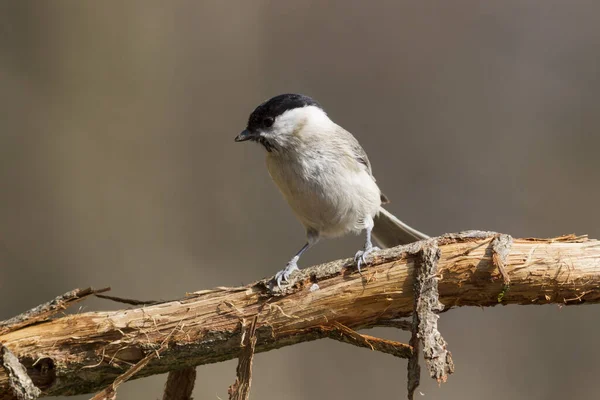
(389, 231)
(360, 155)
(358, 152)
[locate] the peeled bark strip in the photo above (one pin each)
(413, 368)
(240, 390)
(424, 323)
(20, 384)
(84, 353)
(437, 357)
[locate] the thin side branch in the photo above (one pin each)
(180, 384)
(124, 300)
(437, 357)
(110, 392)
(83, 353)
(344, 334)
(45, 311)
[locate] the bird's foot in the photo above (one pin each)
(361, 255)
(285, 273)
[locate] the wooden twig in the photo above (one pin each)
(180, 384)
(110, 392)
(124, 300)
(85, 352)
(240, 390)
(44, 311)
(344, 334)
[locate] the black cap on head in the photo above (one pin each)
(276, 106)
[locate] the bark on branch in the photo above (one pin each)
(84, 353)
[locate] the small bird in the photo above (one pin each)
(325, 176)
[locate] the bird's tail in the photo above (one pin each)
(389, 231)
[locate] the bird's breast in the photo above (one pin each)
(329, 194)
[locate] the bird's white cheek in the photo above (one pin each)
(292, 121)
(283, 128)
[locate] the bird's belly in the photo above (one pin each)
(332, 201)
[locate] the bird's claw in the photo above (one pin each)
(361, 255)
(285, 273)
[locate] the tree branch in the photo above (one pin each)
(84, 353)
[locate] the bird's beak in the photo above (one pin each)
(245, 135)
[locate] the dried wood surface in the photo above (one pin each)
(85, 353)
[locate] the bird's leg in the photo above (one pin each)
(292, 265)
(361, 255)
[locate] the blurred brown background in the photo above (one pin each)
(118, 166)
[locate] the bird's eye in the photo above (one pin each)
(268, 122)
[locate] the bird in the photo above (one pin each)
(325, 176)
